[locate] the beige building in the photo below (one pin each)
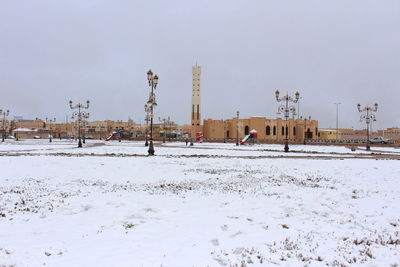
(196, 101)
(390, 133)
(341, 134)
(267, 129)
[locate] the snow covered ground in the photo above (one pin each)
(108, 204)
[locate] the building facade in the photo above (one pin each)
(267, 129)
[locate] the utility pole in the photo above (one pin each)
(337, 119)
(237, 128)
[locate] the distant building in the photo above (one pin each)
(390, 133)
(267, 129)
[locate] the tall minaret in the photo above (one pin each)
(196, 113)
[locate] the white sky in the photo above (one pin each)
(345, 51)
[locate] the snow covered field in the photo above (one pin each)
(107, 204)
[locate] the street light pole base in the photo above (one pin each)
(151, 148)
(79, 143)
(286, 147)
(146, 143)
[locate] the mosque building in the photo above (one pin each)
(237, 128)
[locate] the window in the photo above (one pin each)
(246, 130)
(198, 112)
(294, 131)
(287, 130)
(227, 134)
(268, 130)
(274, 130)
(283, 130)
(193, 112)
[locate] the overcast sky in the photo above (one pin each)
(344, 51)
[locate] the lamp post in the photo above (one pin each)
(287, 110)
(153, 81)
(147, 119)
(337, 119)
(237, 128)
(4, 114)
(50, 121)
(368, 117)
(79, 115)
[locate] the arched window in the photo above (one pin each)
(274, 130)
(227, 134)
(268, 130)
(316, 131)
(246, 130)
(283, 130)
(294, 131)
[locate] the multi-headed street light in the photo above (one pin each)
(287, 110)
(368, 117)
(153, 81)
(4, 114)
(79, 115)
(50, 121)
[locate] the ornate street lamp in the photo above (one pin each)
(287, 110)
(153, 81)
(368, 117)
(79, 115)
(50, 121)
(237, 128)
(147, 109)
(4, 114)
